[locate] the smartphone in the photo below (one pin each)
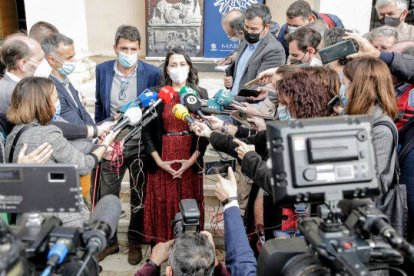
(337, 51)
(248, 93)
(219, 167)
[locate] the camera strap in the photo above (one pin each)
(23, 129)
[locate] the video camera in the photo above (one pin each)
(188, 219)
(40, 243)
(331, 161)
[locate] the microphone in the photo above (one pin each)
(212, 104)
(143, 100)
(165, 95)
(194, 106)
(214, 111)
(188, 90)
(131, 117)
(147, 98)
(225, 98)
(102, 223)
(181, 112)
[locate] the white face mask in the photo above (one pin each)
(292, 29)
(43, 69)
(178, 75)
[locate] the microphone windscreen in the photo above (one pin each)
(212, 104)
(182, 96)
(192, 103)
(147, 98)
(134, 115)
(166, 93)
(108, 210)
(207, 110)
(180, 112)
(188, 90)
(224, 97)
(130, 104)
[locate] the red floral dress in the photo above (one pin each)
(163, 193)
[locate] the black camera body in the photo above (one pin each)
(329, 161)
(188, 219)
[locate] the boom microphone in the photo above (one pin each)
(181, 112)
(131, 117)
(102, 223)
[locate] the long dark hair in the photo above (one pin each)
(192, 79)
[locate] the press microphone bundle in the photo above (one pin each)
(165, 95)
(131, 117)
(181, 112)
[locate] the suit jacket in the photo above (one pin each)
(147, 76)
(269, 54)
(401, 66)
(6, 90)
(240, 258)
(69, 111)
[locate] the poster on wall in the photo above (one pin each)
(216, 43)
(173, 23)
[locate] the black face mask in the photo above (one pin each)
(251, 38)
(390, 21)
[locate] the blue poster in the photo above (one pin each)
(216, 44)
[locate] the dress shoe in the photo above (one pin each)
(134, 254)
(109, 250)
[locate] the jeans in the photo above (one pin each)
(110, 183)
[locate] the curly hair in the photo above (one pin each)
(328, 77)
(306, 95)
(192, 79)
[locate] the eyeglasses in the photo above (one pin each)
(122, 92)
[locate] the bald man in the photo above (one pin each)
(22, 56)
(233, 25)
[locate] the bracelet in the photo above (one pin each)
(150, 262)
(227, 200)
(95, 131)
(105, 146)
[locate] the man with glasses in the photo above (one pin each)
(117, 83)
(258, 51)
(233, 25)
(22, 56)
(393, 13)
(60, 54)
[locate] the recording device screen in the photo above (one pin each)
(315, 157)
(337, 51)
(39, 188)
(219, 167)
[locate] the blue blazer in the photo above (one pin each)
(69, 111)
(147, 76)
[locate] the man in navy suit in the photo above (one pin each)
(60, 54)
(118, 82)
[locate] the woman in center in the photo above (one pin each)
(174, 173)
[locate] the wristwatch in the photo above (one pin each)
(227, 200)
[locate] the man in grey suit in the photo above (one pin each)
(23, 57)
(259, 50)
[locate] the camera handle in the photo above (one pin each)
(372, 220)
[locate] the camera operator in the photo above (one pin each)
(190, 254)
(400, 65)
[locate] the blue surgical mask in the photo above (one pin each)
(283, 113)
(67, 68)
(127, 61)
(342, 90)
(58, 108)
